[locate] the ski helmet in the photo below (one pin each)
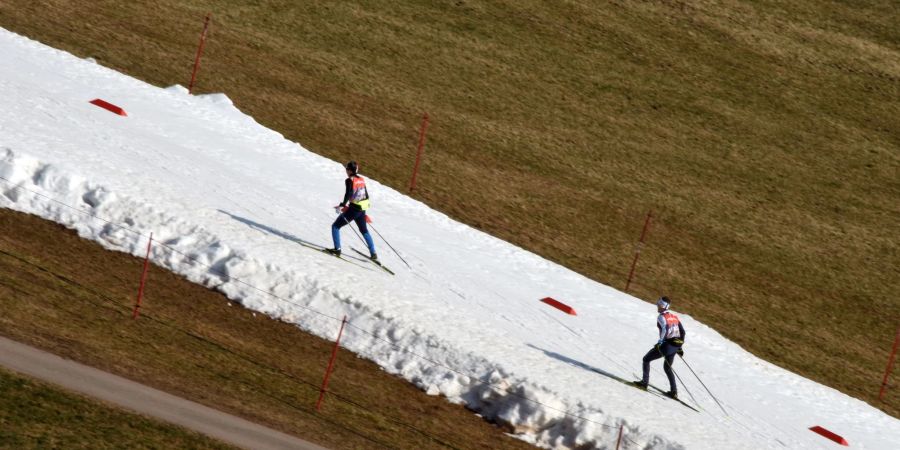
(663, 302)
(353, 167)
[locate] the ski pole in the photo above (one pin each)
(679, 378)
(391, 246)
(354, 231)
(683, 385)
(704, 386)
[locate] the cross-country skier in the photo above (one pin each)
(671, 338)
(356, 194)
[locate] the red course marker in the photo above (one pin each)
(108, 106)
(829, 435)
(559, 305)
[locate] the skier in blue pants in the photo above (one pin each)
(671, 338)
(353, 209)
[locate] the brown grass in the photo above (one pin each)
(762, 134)
(38, 415)
(73, 298)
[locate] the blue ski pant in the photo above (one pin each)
(666, 351)
(352, 215)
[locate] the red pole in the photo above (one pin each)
(412, 183)
(619, 441)
(199, 53)
(637, 251)
(337, 344)
(137, 305)
(890, 366)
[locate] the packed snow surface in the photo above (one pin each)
(228, 200)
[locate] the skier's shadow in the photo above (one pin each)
(267, 229)
(579, 364)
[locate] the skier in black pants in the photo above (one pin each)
(356, 194)
(671, 338)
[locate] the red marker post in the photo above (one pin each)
(337, 344)
(412, 183)
(137, 304)
(890, 366)
(637, 251)
(199, 54)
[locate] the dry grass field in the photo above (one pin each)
(37, 415)
(762, 134)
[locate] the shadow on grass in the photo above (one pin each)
(267, 229)
(580, 364)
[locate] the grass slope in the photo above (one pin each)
(762, 134)
(73, 298)
(36, 415)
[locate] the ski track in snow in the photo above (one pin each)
(228, 199)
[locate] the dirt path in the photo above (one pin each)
(142, 399)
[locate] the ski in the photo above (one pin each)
(654, 393)
(377, 263)
(660, 393)
(346, 258)
(624, 381)
(670, 398)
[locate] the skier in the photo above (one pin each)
(356, 194)
(671, 338)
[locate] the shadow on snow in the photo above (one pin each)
(580, 364)
(267, 229)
